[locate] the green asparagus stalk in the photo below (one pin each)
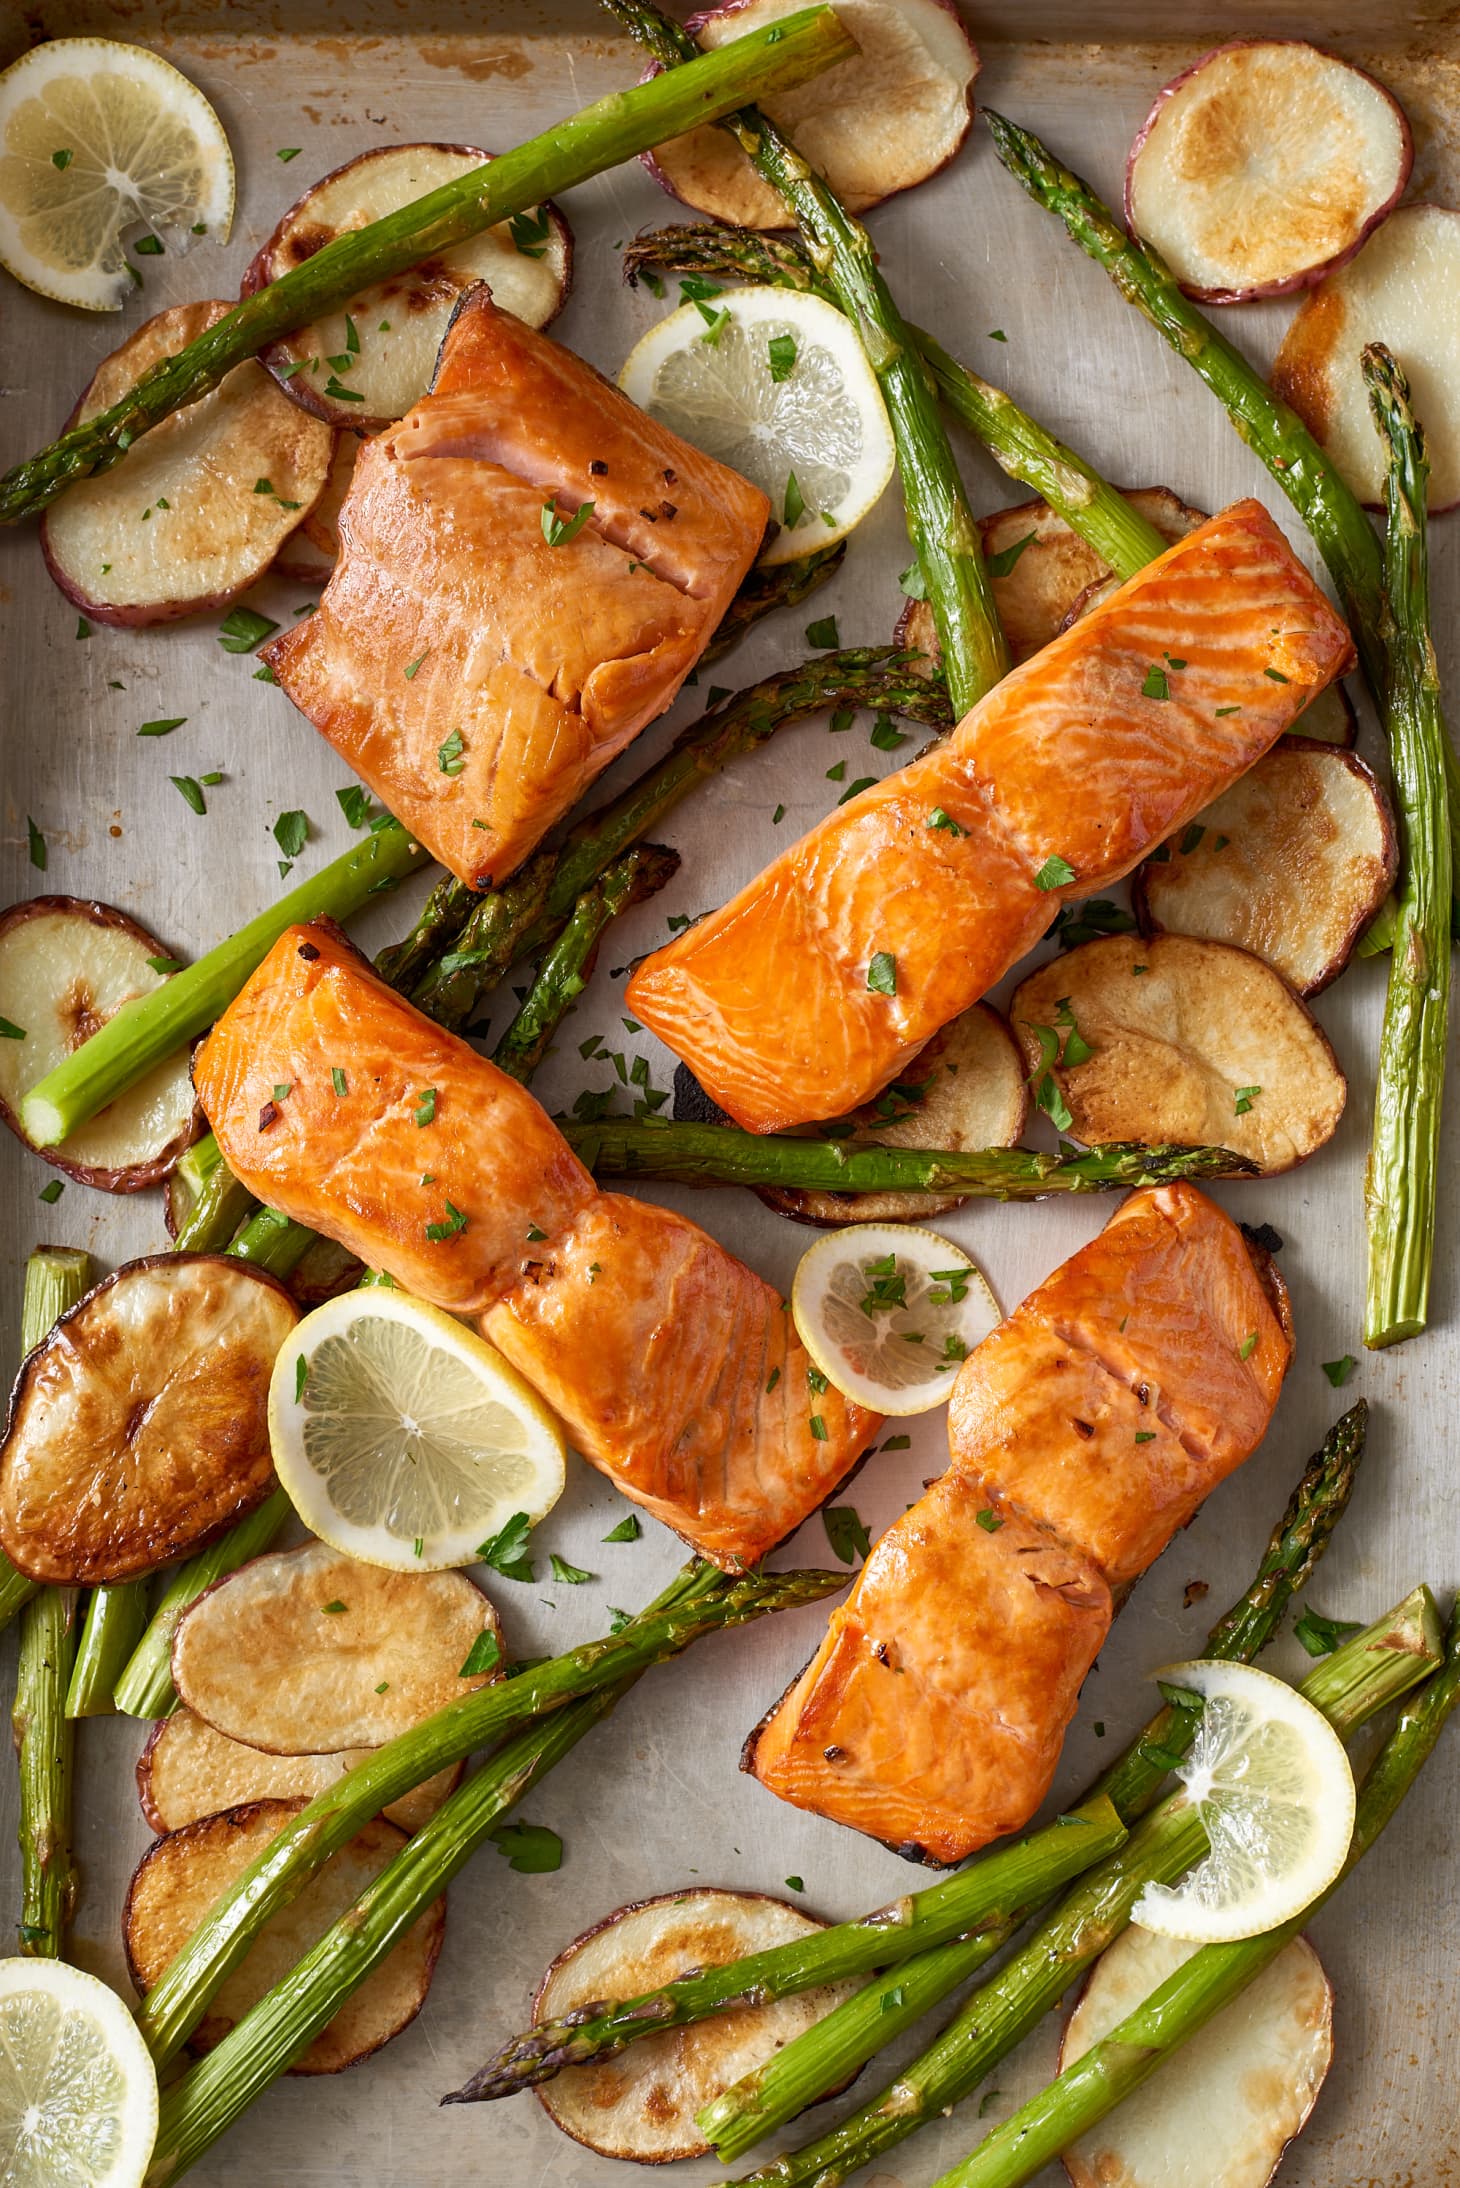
(1403, 1174)
(529, 911)
(719, 1154)
(763, 590)
(174, 2007)
(438, 924)
(825, 2056)
(144, 1688)
(1120, 2062)
(615, 128)
(114, 1623)
(939, 520)
(1349, 1686)
(207, 1202)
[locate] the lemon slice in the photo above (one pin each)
(889, 1311)
(775, 385)
(78, 2097)
(401, 1438)
(1270, 1778)
(96, 137)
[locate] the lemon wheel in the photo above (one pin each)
(889, 1311)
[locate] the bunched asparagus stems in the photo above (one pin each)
(613, 129)
(1403, 1174)
(1121, 2061)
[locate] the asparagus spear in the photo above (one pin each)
(939, 520)
(1120, 2062)
(1349, 1686)
(55, 1278)
(438, 924)
(1017, 442)
(144, 1688)
(1404, 1158)
(613, 129)
(174, 2007)
(114, 1623)
(917, 1924)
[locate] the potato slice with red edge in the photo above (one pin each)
(364, 366)
(68, 964)
(188, 1770)
(307, 1651)
(179, 1879)
(1246, 2084)
(1264, 164)
(139, 1427)
(1403, 289)
(966, 1090)
(1180, 1041)
(1039, 568)
(641, 2105)
(309, 555)
(198, 508)
(886, 119)
(1291, 863)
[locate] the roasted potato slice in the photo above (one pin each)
(642, 2104)
(309, 1652)
(188, 1770)
(1291, 863)
(966, 1090)
(138, 1429)
(178, 1880)
(1180, 1041)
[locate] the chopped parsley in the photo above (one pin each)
(1156, 685)
(452, 1227)
(242, 629)
(886, 736)
(556, 530)
(989, 1521)
(1245, 1097)
(574, 1575)
(411, 667)
(484, 1655)
(818, 1428)
(1339, 1371)
(882, 973)
(291, 832)
(37, 842)
(1055, 873)
(62, 158)
(506, 1551)
(1190, 839)
(530, 232)
(449, 756)
(354, 803)
(781, 356)
(338, 1081)
(823, 633)
(290, 152)
(1248, 1346)
(51, 1193)
(10, 1031)
(301, 1378)
(163, 728)
(1001, 564)
(1320, 1636)
(793, 508)
(627, 1530)
(426, 1106)
(188, 789)
(531, 1848)
(944, 822)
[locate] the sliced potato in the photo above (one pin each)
(138, 1428)
(188, 1770)
(68, 964)
(1194, 1043)
(966, 1090)
(1246, 2084)
(178, 1880)
(323, 1271)
(308, 556)
(309, 1652)
(198, 508)
(642, 2104)
(1291, 863)
(365, 366)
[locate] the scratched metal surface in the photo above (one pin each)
(654, 1798)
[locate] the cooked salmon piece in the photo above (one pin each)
(675, 1369)
(476, 675)
(1055, 785)
(1082, 1433)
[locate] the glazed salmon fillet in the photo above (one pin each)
(475, 675)
(1083, 1432)
(1055, 785)
(674, 1368)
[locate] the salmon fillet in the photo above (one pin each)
(1055, 785)
(475, 675)
(1082, 1432)
(674, 1368)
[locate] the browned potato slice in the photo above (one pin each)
(1190, 1042)
(178, 1880)
(308, 1652)
(1291, 863)
(1247, 2084)
(188, 1770)
(966, 1090)
(642, 2104)
(1040, 569)
(66, 966)
(138, 1428)
(197, 509)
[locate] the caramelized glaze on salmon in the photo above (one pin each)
(1055, 785)
(674, 1368)
(1083, 1432)
(477, 676)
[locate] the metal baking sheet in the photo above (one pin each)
(654, 1798)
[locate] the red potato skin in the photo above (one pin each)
(129, 1177)
(260, 272)
(1312, 275)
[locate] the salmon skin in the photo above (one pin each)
(1083, 1432)
(475, 674)
(815, 987)
(675, 1369)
